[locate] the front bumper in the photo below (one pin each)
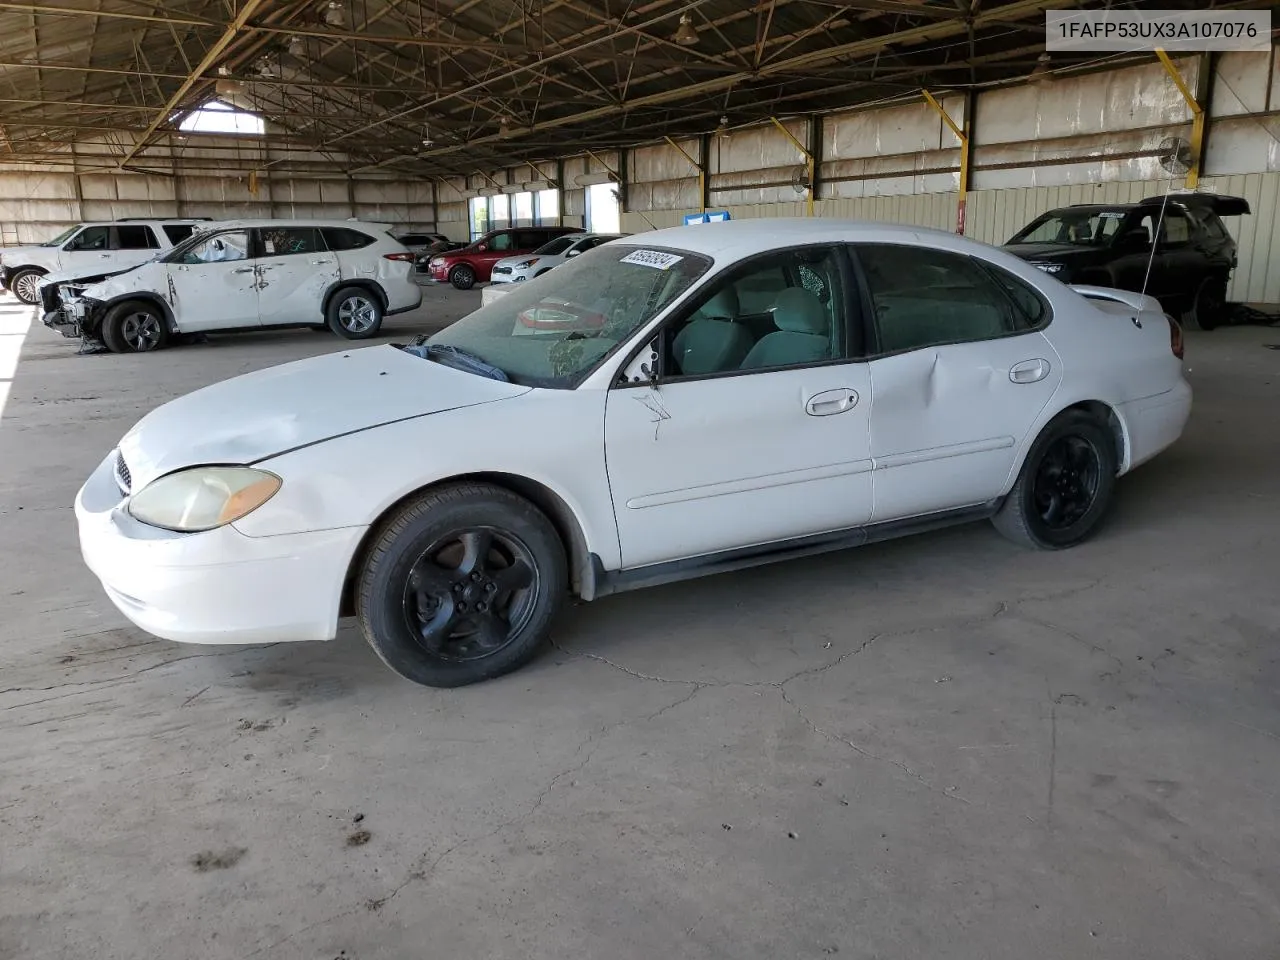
(219, 586)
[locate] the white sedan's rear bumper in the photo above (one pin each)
(1155, 423)
(219, 586)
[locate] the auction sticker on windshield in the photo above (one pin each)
(653, 258)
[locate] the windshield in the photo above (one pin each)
(558, 245)
(61, 238)
(1087, 227)
(553, 331)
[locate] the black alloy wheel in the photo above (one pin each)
(471, 593)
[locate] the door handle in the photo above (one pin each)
(244, 270)
(318, 263)
(830, 402)
(1029, 371)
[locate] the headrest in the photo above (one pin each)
(723, 304)
(796, 310)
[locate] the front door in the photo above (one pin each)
(214, 285)
(88, 252)
(960, 376)
(294, 271)
(755, 430)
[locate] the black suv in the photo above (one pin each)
(1111, 246)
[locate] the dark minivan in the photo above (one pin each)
(472, 264)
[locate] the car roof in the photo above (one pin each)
(249, 224)
(735, 239)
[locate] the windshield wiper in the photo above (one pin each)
(458, 358)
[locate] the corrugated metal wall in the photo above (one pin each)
(1088, 138)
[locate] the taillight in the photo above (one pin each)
(1175, 337)
(405, 257)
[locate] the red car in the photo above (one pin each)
(470, 265)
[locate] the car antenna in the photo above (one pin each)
(1175, 158)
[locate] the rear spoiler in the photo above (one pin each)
(1137, 301)
(1223, 206)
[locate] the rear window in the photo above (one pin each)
(177, 232)
(413, 239)
(344, 238)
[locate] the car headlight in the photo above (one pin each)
(203, 498)
(526, 264)
(1051, 267)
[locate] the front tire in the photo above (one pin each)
(354, 314)
(462, 277)
(461, 585)
(25, 285)
(1209, 309)
(134, 327)
(1064, 487)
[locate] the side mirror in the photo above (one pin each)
(573, 253)
(483, 247)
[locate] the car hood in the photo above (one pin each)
(14, 255)
(1050, 251)
(263, 414)
(81, 276)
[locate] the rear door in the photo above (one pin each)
(960, 373)
(295, 268)
(132, 244)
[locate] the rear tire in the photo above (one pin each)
(1209, 308)
(461, 585)
(1065, 485)
(25, 286)
(354, 313)
(462, 277)
(134, 327)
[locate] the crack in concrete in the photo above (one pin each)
(80, 684)
(425, 872)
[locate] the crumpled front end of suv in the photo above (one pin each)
(68, 310)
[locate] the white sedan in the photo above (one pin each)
(526, 266)
(675, 404)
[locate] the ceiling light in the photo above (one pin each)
(686, 34)
(1042, 74)
(297, 47)
(335, 14)
(267, 69)
(722, 131)
(504, 128)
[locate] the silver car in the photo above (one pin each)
(525, 266)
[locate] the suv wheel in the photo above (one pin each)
(134, 327)
(25, 285)
(462, 277)
(1210, 307)
(354, 313)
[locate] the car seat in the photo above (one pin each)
(711, 341)
(803, 334)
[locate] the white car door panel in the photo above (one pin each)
(294, 271)
(756, 432)
(966, 377)
(216, 285)
(947, 421)
(701, 466)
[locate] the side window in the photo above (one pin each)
(90, 238)
(923, 297)
(532, 239)
(283, 241)
(1177, 229)
(499, 242)
(785, 309)
(1031, 310)
(135, 237)
(221, 248)
(342, 238)
(177, 232)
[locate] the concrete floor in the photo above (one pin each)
(939, 747)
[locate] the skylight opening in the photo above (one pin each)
(217, 116)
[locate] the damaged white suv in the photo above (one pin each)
(244, 275)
